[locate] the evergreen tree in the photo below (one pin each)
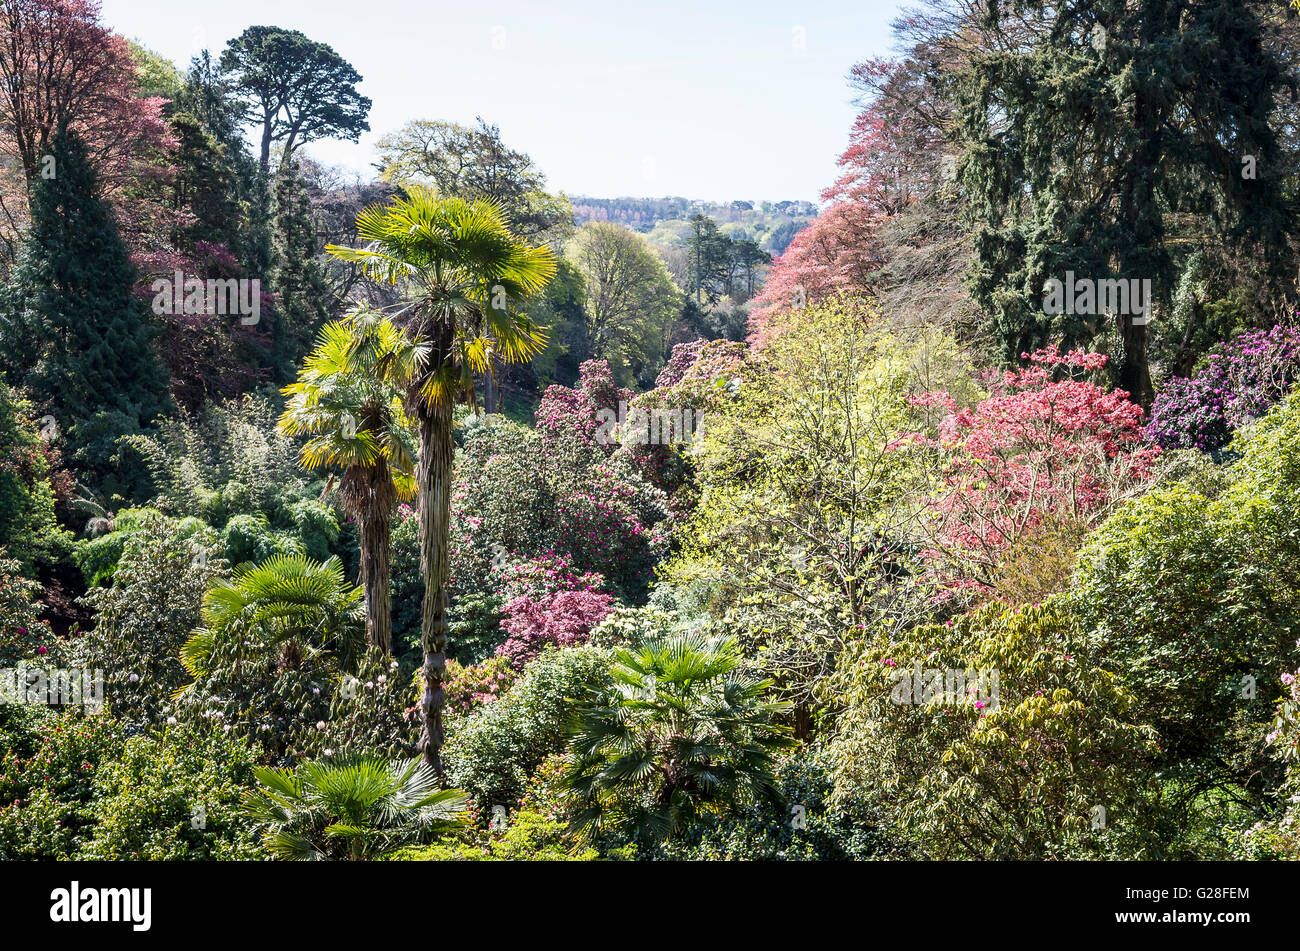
(73, 335)
(709, 257)
(297, 279)
(205, 184)
(1108, 139)
(209, 96)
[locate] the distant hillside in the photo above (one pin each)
(664, 220)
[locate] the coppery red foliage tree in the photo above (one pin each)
(61, 70)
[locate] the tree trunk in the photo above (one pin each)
(266, 146)
(376, 555)
(489, 390)
(1135, 374)
(434, 475)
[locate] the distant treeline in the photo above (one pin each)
(773, 224)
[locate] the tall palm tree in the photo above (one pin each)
(348, 399)
(467, 275)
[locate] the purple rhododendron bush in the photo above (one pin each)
(1238, 381)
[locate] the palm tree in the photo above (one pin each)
(357, 807)
(348, 399)
(679, 728)
(288, 601)
(467, 275)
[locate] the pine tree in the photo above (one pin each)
(1109, 138)
(73, 335)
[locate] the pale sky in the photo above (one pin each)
(712, 99)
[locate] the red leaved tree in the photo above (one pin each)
(883, 172)
(1038, 450)
(60, 69)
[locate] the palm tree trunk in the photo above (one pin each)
(434, 475)
(376, 556)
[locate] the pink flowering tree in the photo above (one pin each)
(567, 418)
(547, 601)
(1039, 448)
(607, 515)
(564, 619)
(884, 170)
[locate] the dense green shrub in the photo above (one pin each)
(1195, 591)
(47, 778)
(172, 795)
(491, 753)
(77, 787)
(23, 635)
(1012, 767)
(808, 828)
(28, 529)
(147, 613)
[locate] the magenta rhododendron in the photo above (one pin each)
(1241, 380)
(564, 619)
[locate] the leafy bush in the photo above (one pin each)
(492, 752)
(172, 795)
(47, 779)
(23, 635)
(1237, 381)
(1193, 593)
(147, 614)
(1014, 771)
(77, 787)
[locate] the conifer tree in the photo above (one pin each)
(73, 334)
(1104, 137)
(297, 279)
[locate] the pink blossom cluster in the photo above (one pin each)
(565, 618)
